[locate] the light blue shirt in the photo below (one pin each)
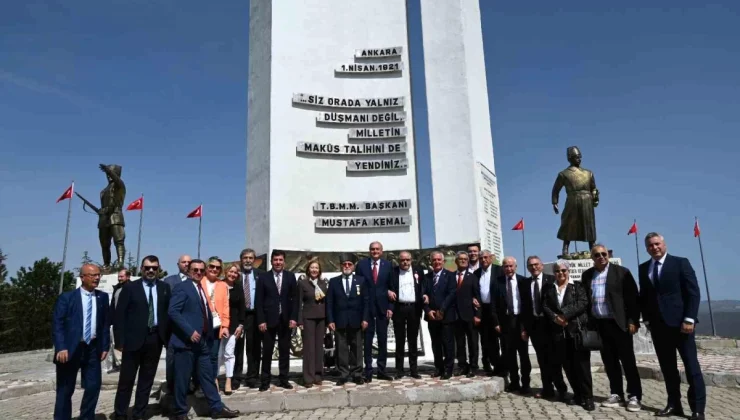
(86, 297)
(485, 285)
(145, 285)
(252, 287)
(600, 307)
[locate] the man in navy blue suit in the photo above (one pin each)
(191, 337)
(669, 301)
(183, 264)
(377, 273)
(81, 335)
(276, 305)
(440, 313)
(347, 312)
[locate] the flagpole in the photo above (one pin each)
(66, 240)
(141, 222)
(706, 281)
(200, 226)
(524, 254)
(637, 248)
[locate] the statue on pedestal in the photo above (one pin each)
(578, 222)
(110, 216)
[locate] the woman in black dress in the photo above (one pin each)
(237, 306)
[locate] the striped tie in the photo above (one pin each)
(88, 320)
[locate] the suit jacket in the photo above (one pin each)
(466, 292)
(257, 274)
(621, 294)
(347, 311)
(574, 308)
(173, 280)
(186, 315)
(441, 296)
(237, 307)
(220, 301)
(132, 315)
(677, 295)
(268, 302)
(493, 290)
(547, 281)
(418, 275)
(308, 307)
(115, 297)
(525, 302)
(379, 303)
(68, 323)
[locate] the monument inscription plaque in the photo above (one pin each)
(351, 149)
(488, 210)
(376, 133)
(366, 118)
(334, 102)
(362, 222)
(369, 67)
(363, 205)
(379, 52)
(377, 165)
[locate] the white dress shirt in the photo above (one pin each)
(86, 297)
(347, 286)
(538, 284)
(561, 293)
(183, 277)
(515, 301)
(472, 268)
(202, 296)
(406, 292)
(485, 285)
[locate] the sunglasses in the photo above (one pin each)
(347, 264)
(150, 268)
(214, 267)
(561, 271)
(599, 254)
(198, 270)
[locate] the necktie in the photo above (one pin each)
(375, 272)
(537, 299)
(279, 285)
(656, 280)
(201, 298)
(346, 285)
(436, 279)
(459, 280)
(88, 319)
(150, 323)
(247, 291)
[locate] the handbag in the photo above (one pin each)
(587, 340)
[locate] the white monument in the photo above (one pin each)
(466, 203)
(330, 146)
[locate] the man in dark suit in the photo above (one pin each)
(81, 335)
(192, 325)
(616, 315)
(440, 314)
(489, 329)
(539, 330)
(347, 313)
(276, 304)
(377, 272)
(124, 276)
(183, 265)
(514, 310)
(250, 337)
(669, 300)
(468, 315)
(406, 306)
(142, 328)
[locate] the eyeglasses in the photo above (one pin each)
(214, 267)
(599, 255)
(150, 268)
(198, 270)
(561, 271)
(347, 264)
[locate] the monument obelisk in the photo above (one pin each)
(465, 189)
(330, 141)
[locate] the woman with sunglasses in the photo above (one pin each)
(312, 289)
(566, 304)
(236, 323)
(217, 293)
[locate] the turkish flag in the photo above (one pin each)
(519, 226)
(67, 194)
(138, 204)
(633, 229)
(697, 232)
(196, 213)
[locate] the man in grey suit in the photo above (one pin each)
(183, 263)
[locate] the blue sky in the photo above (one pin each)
(650, 94)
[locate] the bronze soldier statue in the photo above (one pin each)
(110, 215)
(578, 222)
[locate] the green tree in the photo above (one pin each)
(3, 269)
(27, 305)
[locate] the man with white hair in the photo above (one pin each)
(514, 308)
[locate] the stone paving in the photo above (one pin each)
(723, 403)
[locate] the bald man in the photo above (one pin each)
(81, 335)
(183, 264)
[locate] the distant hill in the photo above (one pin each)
(721, 306)
(726, 318)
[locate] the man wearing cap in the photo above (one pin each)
(347, 313)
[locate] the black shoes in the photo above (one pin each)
(697, 416)
(383, 376)
(670, 410)
(264, 387)
(225, 413)
(589, 405)
(415, 375)
(285, 385)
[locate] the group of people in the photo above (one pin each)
(207, 319)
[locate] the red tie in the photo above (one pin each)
(459, 280)
(375, 272)
(201, 296)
